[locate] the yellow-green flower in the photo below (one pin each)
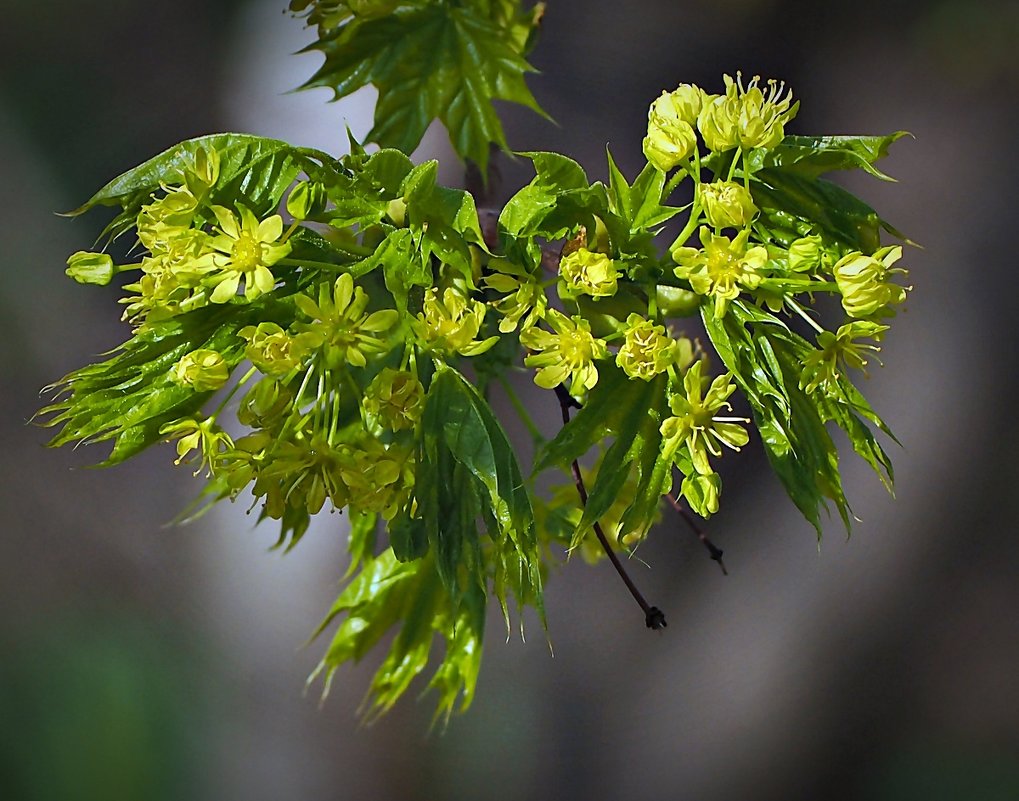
(166, 217)
(524, 302)
(746, 117)
(90, 268)
(647, 350)
(203, 370)
(303, 472)
(722, 267)
(587, 272)
(670, 135)
(306, 200)
(727, 204)
(395, 398)
(569, 351)
(378, 478)
(202, 435)
(822, 368)
(696, 426)
(171, 278)
(451, 323)
(806, 254)
(246, 248)
(265, 403)
(271, 349)
(340, 325)
(864, 282)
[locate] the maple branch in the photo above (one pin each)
(713, 550)
(654, 618)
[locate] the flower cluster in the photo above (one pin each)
(335, 327)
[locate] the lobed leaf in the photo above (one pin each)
(252, 168)
(812, 156)
(436, 61)
(761, 351)
(130, 396)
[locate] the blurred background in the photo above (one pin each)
(145, 662)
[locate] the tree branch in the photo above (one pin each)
(654, 618)
(714, 551)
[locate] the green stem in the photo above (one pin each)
(233, 391)
(732, 166)
(536, 436)
(691, 224)
(802, 313)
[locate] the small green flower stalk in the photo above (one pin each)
(348, 321)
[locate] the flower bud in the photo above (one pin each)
(202, 370)
(306, 200)
(667, 147)
(90, 268)
(727, 204)
(680, 105)
(717, 124)
(395, 398)
(207, 166)
(805, 254)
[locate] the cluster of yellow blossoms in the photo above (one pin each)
(334, 394)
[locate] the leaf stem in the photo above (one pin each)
(536, 436)
(796, 307)
(654, 618)
(713, 550)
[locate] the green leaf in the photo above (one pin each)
(386, 170)
(253, 169)
(387, 593)
(639, 206)
(444, 221)
(632, 439)
(476, 440)
(361, 544)
(799, 448)
(632, 411)
(130, 396)
(606, 407)
(829, 208)
(402, 265)
(435, 61)
(811, 156)
(471, 471)
(765, 358)
(408, 535)
(652, 465)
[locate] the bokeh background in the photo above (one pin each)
(145, 662)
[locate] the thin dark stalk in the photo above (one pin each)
(713, 550)
(654, 618)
